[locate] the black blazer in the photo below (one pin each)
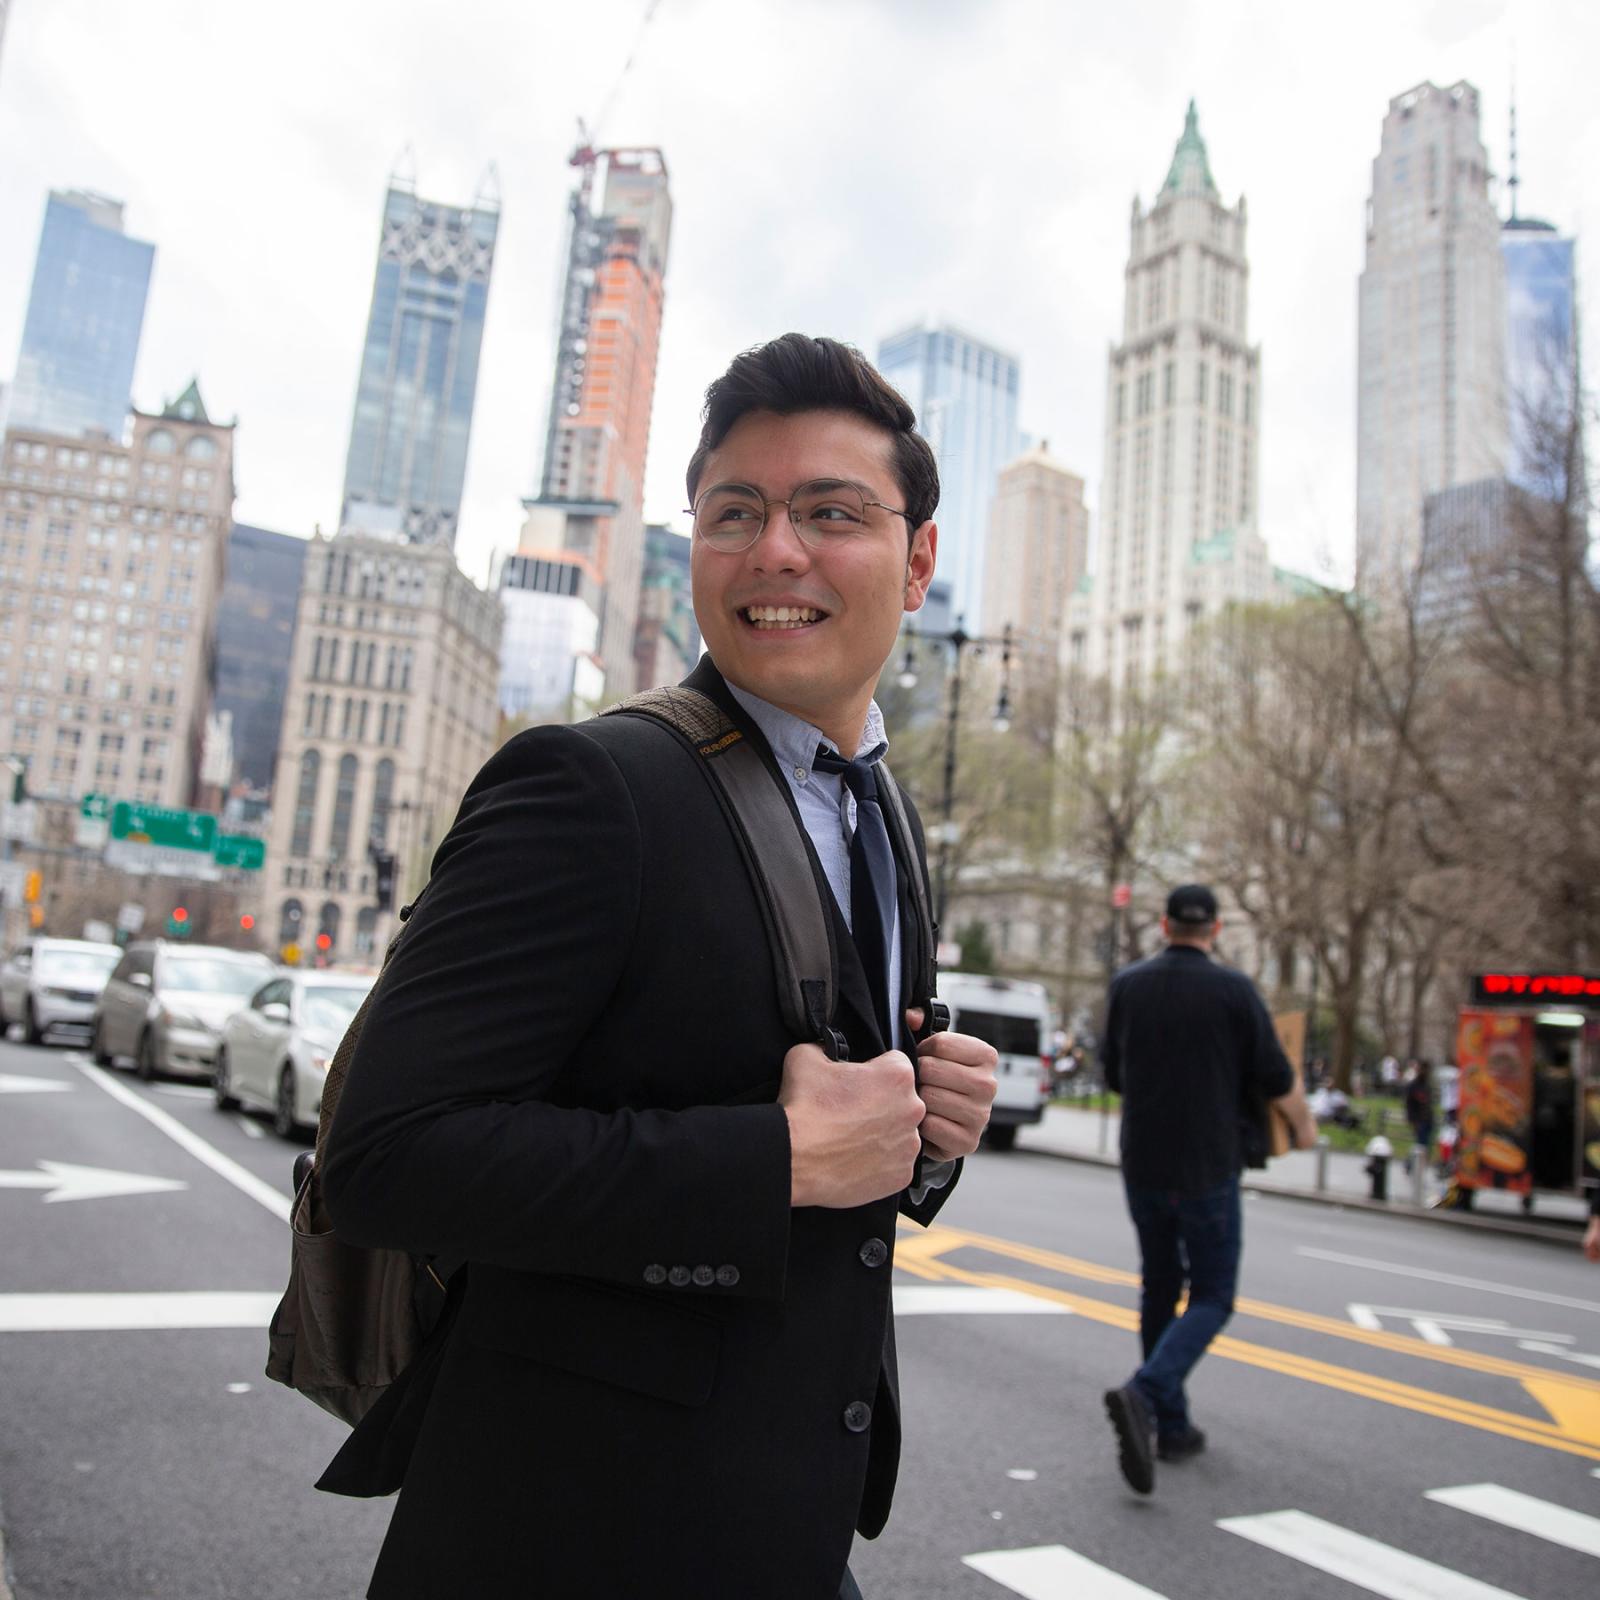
(662, 1380)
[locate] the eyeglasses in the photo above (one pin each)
(826, 513)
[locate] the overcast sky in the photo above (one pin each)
(838, 166)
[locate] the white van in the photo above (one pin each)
(1016, 1018)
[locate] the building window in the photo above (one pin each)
(382, 801)
(305, 805)
(344, 800)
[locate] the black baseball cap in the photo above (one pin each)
(1193, 905)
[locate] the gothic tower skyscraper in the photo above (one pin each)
(1178, 495)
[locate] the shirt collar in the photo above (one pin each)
(794, 741)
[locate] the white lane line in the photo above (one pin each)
(943, 1299)
(251, 1128)
(224, 1166)
(86, 1313)
(1053, 1572)
(1446, 1277)
(16, 1083)
(1513, 1509)
(1377, 1568)
(183, 1091)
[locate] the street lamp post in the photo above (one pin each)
(958, 640)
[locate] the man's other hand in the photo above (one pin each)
(852, 1126)
(958, 1087)
(1296, 1111)
(1591, 1239)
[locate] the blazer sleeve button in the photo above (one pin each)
(678, 1277)
(858, 1416)
(873, 1253)
(727, 1276)
(655, 1273)
(703, 1277)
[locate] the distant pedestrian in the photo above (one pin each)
(1591, 1234)
(1191, 1049)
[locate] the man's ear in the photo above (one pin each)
(921, 559)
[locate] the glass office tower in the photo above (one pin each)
(1541, 352)
(419, 368)
(964, 393)
(81, 337)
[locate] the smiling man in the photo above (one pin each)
(669, 1367)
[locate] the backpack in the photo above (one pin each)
(353, 1320)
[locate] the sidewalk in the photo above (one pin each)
(1080, 1133)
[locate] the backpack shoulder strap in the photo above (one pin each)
(774, 848)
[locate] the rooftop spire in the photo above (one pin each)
(1513, 180)
(1190, 172)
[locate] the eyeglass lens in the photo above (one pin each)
(731, 516)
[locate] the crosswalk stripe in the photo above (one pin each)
(1053, 1572)
(1377, 1568)
(1574, 1529)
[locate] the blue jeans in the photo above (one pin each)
(1183, 1239)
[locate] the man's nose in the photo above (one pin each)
(778, 547)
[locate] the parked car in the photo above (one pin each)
(48, 984)
(275, 1052)
(165, 1004)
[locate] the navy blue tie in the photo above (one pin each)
(872, 880)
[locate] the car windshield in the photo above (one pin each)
(212, 975)
(328, 1011)
(81, 967)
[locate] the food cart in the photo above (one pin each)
(1528, 1050)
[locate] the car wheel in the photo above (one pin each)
(97, 1044)
(148, 1065)
(1002, 1136)
(285, 1122)
(226, 1099)
(31, 1031)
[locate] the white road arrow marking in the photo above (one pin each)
(96, 1313)
(1431, 1325)
(67, 1182)
(1539, 1347)
(941, 1299)
(15, 1083)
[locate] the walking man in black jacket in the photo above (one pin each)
(1192, 1051)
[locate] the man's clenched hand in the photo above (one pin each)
(958, 1087)
(852, 1126)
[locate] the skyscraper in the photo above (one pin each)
(964, 393)
(419, 367)
(591, 499)
(1178, 495)
(85, 311)
(1038, 552)
(1430, 405)
(1541, 345)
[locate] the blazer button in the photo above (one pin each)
(703, 1277)
(727, 1276)
(858, 1416)
(678, 1277)
(655, 1273)
(873, 1253)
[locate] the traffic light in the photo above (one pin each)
(383, 877)
(247, 922)
(179, 914)
(178, 923)
(324, 942)
(31, 886)
(18, 767)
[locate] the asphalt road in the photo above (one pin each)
(1374, 1362)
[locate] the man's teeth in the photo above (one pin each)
(782, 616)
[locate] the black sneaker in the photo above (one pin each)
(1181, 1445)
(1130, 1417)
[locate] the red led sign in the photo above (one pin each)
(1509, 987)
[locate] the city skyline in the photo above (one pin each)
(885, 247)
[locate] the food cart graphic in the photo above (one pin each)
(1528, 1050)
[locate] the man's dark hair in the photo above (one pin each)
(797, 373)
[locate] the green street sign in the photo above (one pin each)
(241, 850)
(163, 825)
(95, 807)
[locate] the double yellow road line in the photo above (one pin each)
(1572, 1402)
